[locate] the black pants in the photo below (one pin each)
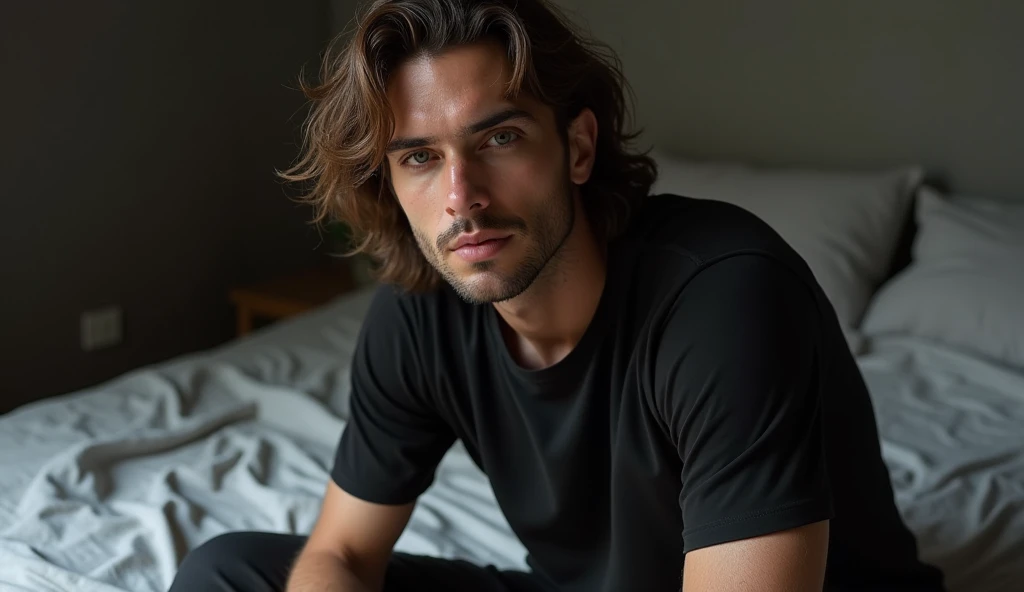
(260, 562)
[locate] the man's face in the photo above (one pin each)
(483, 180)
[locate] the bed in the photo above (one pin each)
(108, 488)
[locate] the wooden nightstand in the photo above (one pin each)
(290, 295)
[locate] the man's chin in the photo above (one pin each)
(485, 287)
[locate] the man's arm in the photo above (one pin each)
(351, 543)
(785, 561)
(742, 396)
(386, 457)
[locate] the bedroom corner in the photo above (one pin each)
(138, 155)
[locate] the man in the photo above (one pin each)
(656, 387)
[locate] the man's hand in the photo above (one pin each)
(787, 561)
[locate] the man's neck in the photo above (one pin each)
(544, 323)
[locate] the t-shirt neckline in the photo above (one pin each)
(572, 366)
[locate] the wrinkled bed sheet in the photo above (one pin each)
(952, 430)
(108, 488)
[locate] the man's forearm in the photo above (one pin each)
(323, 572)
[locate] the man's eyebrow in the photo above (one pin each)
(496, 119)
(489, 121)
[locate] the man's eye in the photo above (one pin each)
(421, 157)
(505, 137)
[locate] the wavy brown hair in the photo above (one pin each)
(343, 166)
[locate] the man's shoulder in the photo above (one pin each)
(704, 230)
(673, 240)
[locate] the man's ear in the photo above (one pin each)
(582, 141)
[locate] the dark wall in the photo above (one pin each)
(844, 84)
(137, 159)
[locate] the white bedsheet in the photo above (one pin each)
(952, 430)
(107, 489)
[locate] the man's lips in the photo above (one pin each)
(478, 247)
(478, 238)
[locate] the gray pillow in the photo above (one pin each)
(845, 225)
(965, 285)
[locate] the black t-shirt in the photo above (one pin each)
(712, 398)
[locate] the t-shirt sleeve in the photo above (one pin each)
(737, 377)
(394, 438)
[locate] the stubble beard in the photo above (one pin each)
(546, 233)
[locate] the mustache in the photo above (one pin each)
(484, 221)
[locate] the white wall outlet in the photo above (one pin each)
(101, 328)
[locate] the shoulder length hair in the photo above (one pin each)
(343, 168)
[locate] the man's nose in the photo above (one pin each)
(466, 191)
